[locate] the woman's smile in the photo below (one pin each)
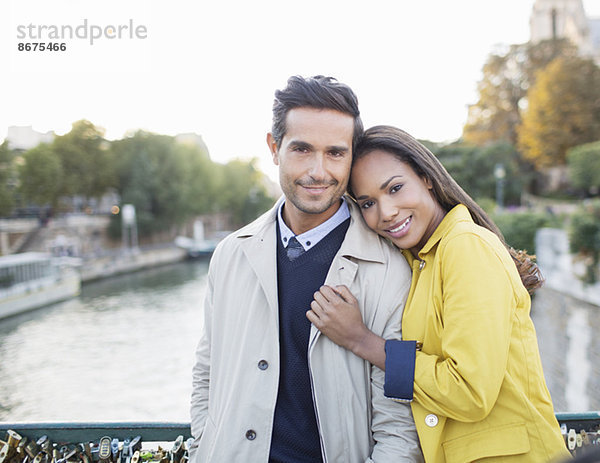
(399, 229)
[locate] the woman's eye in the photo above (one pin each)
(395, 188)
(366, 204)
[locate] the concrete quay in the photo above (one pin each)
(562, 271)
(126, 261)
(85, 237)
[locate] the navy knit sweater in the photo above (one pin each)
(295, 433)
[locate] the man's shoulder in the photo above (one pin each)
(393, 258)
(382, 274)
(234, 240)
(370, 246)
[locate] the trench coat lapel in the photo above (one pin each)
(360, 243)
(260, 248)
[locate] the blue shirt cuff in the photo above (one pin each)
(399, 369)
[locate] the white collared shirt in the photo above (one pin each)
(311, 237)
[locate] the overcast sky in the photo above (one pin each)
(211, 67)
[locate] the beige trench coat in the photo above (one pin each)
(236, 374)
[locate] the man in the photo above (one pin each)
(266, 385)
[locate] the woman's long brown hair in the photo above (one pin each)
(447, 192)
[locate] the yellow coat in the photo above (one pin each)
(479, 389)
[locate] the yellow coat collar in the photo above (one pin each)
(457, 214)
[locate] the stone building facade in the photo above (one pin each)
(566, 19)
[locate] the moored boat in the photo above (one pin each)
(199, 246)
(33, 279)
(196, 248)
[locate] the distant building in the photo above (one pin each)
(24, 137)
(595, 36)
(566, 19)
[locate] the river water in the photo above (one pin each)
(123, 350)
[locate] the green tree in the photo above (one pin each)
(201, 179)
(151, 176)
(519, 228)
(507, 75)
(584, 237)
(563, 111)
(242, 192)
(170, 182)
(7, 179)
(41, 176)
(473, 169)
(584, 167)
(86, 161)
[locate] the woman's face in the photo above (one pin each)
(395, 202)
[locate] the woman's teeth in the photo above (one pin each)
(401, 226)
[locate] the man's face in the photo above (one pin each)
(314, 162)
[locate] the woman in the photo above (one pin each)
(469, 359)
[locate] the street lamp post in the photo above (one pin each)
(499, 174)
(129, 228)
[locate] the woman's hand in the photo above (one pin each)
(335, 312)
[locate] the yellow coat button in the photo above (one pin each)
(431, 420)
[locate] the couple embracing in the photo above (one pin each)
(373, 314)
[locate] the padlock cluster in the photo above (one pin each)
(582, 441)
(18, 449)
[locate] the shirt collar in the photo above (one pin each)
(311, 237)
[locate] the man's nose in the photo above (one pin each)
(317, 167)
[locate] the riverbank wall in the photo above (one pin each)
(85, 237)
(563, 271)
(127, 261)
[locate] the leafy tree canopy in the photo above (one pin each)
(169, 182)
(473, 169)
(584, 167)
(563, 111)
(7, 179)
(41, 176)
(507, 75)
(168, 179)
(86, 161)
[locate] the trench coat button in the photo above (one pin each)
(431, 420)
(263, 365)
(251, 434)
